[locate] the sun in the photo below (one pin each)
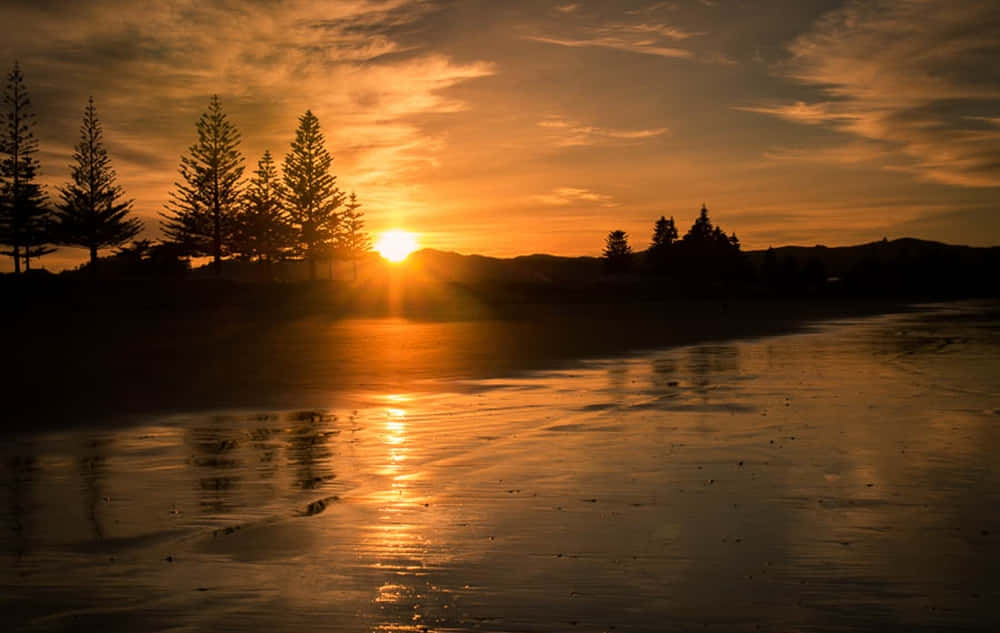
(396, 245)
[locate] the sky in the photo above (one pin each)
(523, 126)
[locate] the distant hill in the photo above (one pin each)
(838, 261)
(448, 266)
(902, 267)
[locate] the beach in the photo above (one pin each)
(836, 478)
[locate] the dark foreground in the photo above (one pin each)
(839, 479)
(110, 354)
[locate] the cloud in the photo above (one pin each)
(800, 112)
(644, 47)
(845, 154)
(561, 132)
(918, 76)
(649, 29)
(564, 196)
(152, 67)
(643, 37)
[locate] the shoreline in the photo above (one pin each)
(98, 373)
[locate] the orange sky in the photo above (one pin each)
(507, 128)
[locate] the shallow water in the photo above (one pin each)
(841, 479)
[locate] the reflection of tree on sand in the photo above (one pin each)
(708, 362)
(215, 452)
(308, 448)
(93, 469)
(618, 377)
(22, 471)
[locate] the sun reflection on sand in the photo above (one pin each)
(395, 542)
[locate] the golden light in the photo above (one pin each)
(396, 245)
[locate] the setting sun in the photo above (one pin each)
(396, 245)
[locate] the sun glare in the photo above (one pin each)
(396, 245)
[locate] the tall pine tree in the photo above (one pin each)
(311, 192)
(201, 208)
(24, 216)
(263, 230)
(94, 213)
(352, 239)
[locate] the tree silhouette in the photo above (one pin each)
(311, 191)
(93, 213)
(664, 237)
(664, 233)
(701, 235)
(263, 230)
(200, 211)
(617, 252)
(352, 239)
(24, 217)
(710, 258)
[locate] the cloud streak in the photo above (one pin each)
(564, 196)
(914, 75)
(152, 67)
(561, 132)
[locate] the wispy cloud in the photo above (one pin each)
(916, 75)
(564, 196)
(855, 153)
(637, 33)
(644, 46)
(565, 133)
(152, 67)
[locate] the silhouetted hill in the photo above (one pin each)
(839, 260)
(449, 266)
(905, 264)
(906, 267)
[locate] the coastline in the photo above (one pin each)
(109, 368)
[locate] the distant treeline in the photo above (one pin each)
(212, 212)
(706, 254)
(708, 262)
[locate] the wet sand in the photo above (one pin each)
(111, 364)
(831, 480)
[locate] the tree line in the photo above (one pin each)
(212, 210)
(704, 253)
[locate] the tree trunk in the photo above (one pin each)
(93, 262)
(329, 268)
(17, 259)
(312, 268)
(217, 246)
(27, 258)
(354, 267)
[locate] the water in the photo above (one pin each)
(839, 479)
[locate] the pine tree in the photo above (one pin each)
(700, 235)
(664, 233)
(352, 239)
(200, 211)
(93, 213)
(311, 192)
(263, 230)
(664, 237)
(617, 252)
(24, 216)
